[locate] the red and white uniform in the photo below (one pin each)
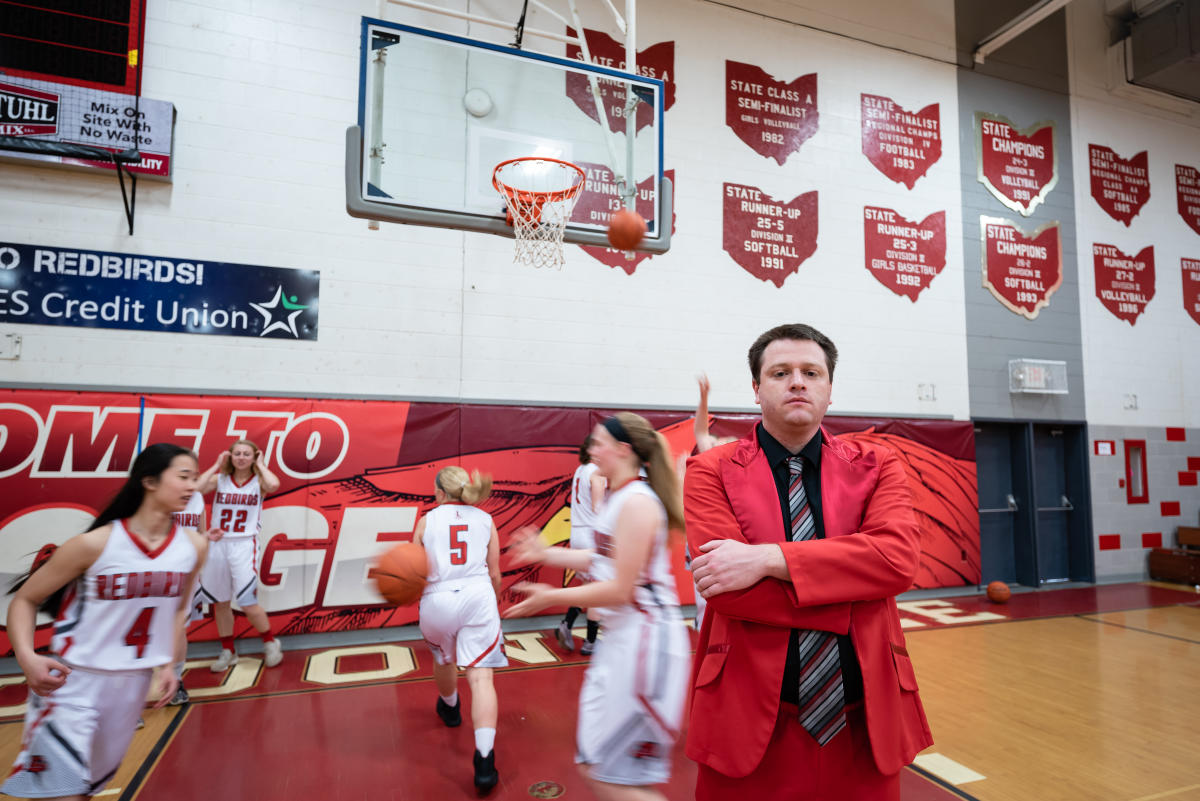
(459, 617)
(231, 572)
(583, 516)
(116, 624)
(631, 703)
(192, 516)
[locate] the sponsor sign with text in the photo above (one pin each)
(1019, 167)
(773, 117)
(43, 285)
(903, 255)
(1021, 271)
(1124, 283)
(902, 144)
(656, 61)
(769, 238)
(1187, 191)
(1120, 186)
(78, 115)
(1190, 272)
(597, 204)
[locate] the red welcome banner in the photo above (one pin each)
(902, 144)
(656, 61)
(1019, 167)
(769, 238)
(1124, 283)
(1187, 192)
(1190, 270)
(773, 117)
(601, 198)
(1120, 186)
(1021, 271)
(902, 255)
(358, 475)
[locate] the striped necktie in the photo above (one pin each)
(822, 695)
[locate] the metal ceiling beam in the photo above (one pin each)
(1015, 27)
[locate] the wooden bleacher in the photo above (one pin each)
(1180, 565)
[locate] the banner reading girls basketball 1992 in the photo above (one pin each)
(356, 476)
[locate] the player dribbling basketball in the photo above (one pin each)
(631, 704)
(459, 617)
(122, 591)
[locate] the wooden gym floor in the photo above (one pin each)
(1071, 694)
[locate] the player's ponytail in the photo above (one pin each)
(458, 486)
(652, 449)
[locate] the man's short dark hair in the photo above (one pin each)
(791, 331)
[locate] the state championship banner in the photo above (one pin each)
(41, 285)
(358, 475)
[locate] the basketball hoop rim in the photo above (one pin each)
(533, 196)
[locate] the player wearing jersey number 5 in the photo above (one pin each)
(241, 480)
(121, 592)
(459, 617)
(631, 703)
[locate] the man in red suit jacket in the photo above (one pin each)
(766, 593)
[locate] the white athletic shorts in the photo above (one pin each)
(463, 625)
(583, 539)
(631, 703)
(75, 737)
(231, 572)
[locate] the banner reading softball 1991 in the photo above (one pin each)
(45, 285)
(358, 475)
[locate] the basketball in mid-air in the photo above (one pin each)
(400, 574)
(998, 592)
(626, 229)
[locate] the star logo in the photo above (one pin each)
(279, 313)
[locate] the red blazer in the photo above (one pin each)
(843, 583)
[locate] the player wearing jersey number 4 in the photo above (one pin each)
(121, 592)
(241, 480)
(460, 620)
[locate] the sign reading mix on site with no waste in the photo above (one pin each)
(41, 285)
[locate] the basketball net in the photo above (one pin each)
(540, 194)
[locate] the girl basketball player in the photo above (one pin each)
(122, 590)
(459, 617)
(191, 517)
(631, 704)
(587, 494)
(241, 479)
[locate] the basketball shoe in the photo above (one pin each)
(226, 660)
(564, 636)
(450, 715)
(272, 653)
(486, 775)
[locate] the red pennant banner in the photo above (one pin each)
(1019, 167)
(1021, 271)
(902, 255)
(1120, 186)
(772, 117)
(901, 144)
(769, 238)
(656, 61)
(1187, 189)
(1190, 268)
(1124, 283)
(597, 204)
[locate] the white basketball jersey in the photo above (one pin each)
(192, 514)
(582, 513)
(656, 585)
(120, 614)
(236, 508)
(456, 541)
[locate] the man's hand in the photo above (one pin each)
(727, 565)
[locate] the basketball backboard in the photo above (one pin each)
(438, 112)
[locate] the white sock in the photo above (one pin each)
(450, 700)
(484, 740)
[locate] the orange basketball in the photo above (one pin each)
(626, 229)
(400, 574)
(998, 592)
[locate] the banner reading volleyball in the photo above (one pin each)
(773, 117)
(1120, 186)
(1124, 283)
(1021, 271)
(1019, 167)
(656, 61)
(769, 238)
(902, 144)
(904, 256)
(1187, 192)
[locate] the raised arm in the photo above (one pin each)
(266, 479)
(208, 479)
